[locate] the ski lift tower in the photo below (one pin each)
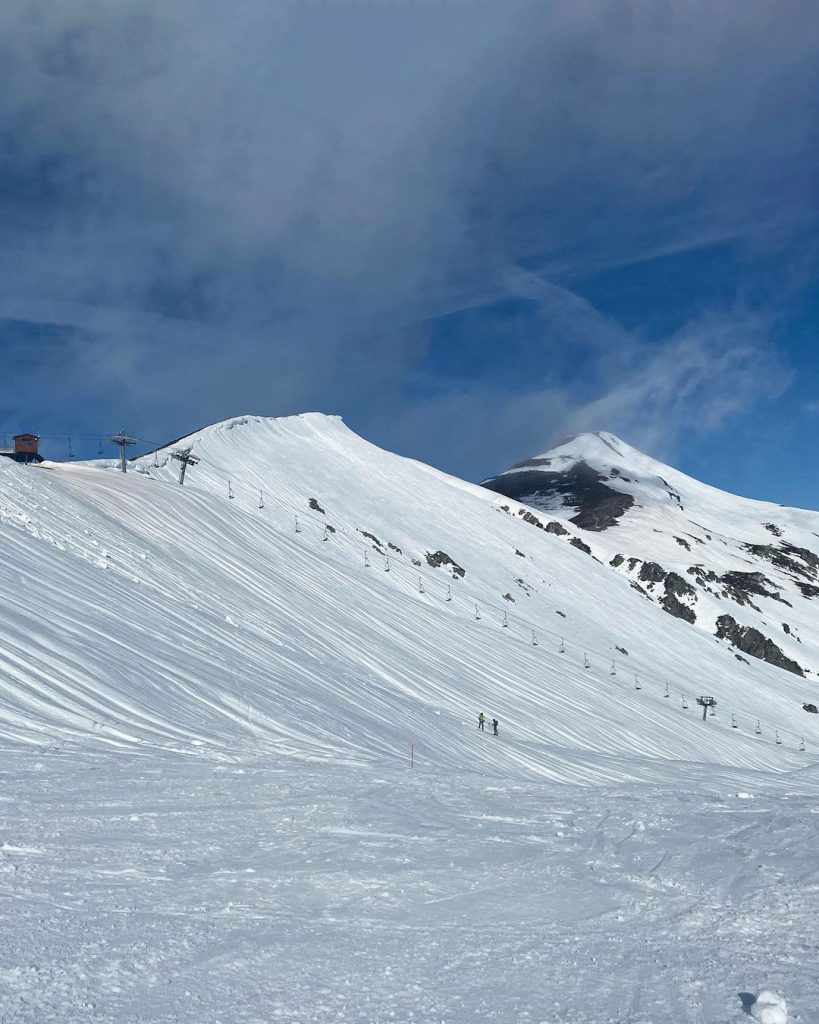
(705, 703)
(122, 441)
(183, 455)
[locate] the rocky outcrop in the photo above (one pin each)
(741, 586)
(439, 558)
(675, 588)
(597, 506)
(757, 645)
(651, 572)
(788, 557)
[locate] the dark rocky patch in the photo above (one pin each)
(811, 709)
(703, 576)
(636, 586)
(773, 528)
(787, 628)
(617, 561)
(520, 554)
(372, 537)
(675, 588)
(416, 561)
(651, 572)
(576, 542)
(438, 558)
(557, 529)
(581, 487)
(683, 543)
(560, 613)
(807, 590)
(394, 547)
(792, 559)
(632, 562)
(622, 650)
(330, 529)
(314, 505)
(740, 658)
(508, 597)
(739, 586)
(751, 641)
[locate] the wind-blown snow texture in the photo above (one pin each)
(207, 705)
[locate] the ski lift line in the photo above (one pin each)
(665, 685)
(554, 635)
(395, 564)
(448, 596)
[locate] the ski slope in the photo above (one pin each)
(207, 709)
(141, 615)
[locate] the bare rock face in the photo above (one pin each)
(741, 586)
(754, 643)
(675, 588)
(581, 487)
(438, 558)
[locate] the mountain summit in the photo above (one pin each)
(746, 571)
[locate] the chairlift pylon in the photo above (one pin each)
(534, 639)
(448, 592)
(562, 648)
(758, 729)
(637, 685)
(505, 622)
(684, 701)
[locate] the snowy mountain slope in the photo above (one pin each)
(745, 570)
(140, 614)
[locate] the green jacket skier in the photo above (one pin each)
(481, 720)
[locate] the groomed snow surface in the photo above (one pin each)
(156, 888)
(208, 813)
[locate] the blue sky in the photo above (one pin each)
(469, 228)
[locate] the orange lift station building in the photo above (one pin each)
(26, 449)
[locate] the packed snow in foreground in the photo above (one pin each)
(151, 889)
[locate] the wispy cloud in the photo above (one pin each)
(266, 208)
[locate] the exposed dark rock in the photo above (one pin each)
(636, 586)
(807, 589)
(675, 588)
(787, 628)
(811, 709)
(773, 528)
(683, 543)
(788, 557)
(556, 528)
(617, 560)
(703, 576)
(576, 542)
(314, 505)
(622, 650)
(528, 517)
(580, 487)
(651, 572)
(740, 658)
(741, 585)
(751, 641)
(415, 561)
(372, 537)
(560, 613)
(330, 529)
(632, 562)
(520, 554)
(508, 597)
(438, 558)
(394, 547)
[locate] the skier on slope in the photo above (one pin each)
(481, 720)
(494, 727)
